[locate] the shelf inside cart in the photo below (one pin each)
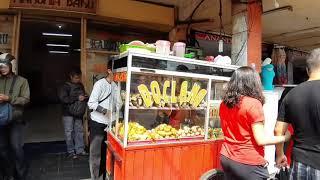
(167, 108)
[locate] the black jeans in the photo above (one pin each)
(11, 151)
(97, 159)
(237, 171)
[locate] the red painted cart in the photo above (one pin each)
(178, 161)
(146, 141)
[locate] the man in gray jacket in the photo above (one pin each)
(12, 164)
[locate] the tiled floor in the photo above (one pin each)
(45, 147)
(58, 167)
(48, 161)
(44, 124)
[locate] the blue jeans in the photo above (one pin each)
(73, 130)
(12, 159)
(301, 171)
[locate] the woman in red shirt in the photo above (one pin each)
(242, 121)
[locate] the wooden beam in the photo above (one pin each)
(197, 21)
(17, 42)
(83, 64)
(156, 3)
(13, 41)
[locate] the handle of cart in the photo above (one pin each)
(212, 174)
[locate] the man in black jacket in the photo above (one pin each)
(301, 108)
(73, 92)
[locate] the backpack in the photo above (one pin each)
(6, 108)
(78, 108)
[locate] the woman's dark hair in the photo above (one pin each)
(244, 82)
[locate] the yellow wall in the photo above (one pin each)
(136, 11)
(128, 10)
(4, 4)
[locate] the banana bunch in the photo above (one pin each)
(136, 132)
(163, 131)
(137, 101)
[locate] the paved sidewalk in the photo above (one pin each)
(58, 167)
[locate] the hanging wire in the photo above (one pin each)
(188, 38)
(220, 17)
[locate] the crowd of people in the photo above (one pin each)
(241, 113)
(15, 95)
(242, 121)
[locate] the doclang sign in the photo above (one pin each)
(82, 6)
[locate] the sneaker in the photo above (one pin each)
(72, 156)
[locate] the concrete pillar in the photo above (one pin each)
(247, 33)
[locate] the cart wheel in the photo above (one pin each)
(213, 174)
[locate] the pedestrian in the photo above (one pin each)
(14, 90)
(242, 122)
(74, 100)
(301, 109)
(104, 100)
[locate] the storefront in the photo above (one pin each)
(51, 37)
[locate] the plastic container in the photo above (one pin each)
(190, 55)
(163, 47)
(179, 49)
(126, 47)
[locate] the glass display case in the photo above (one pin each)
(167, 99)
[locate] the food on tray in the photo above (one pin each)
(136, 100)
(164, 131)
(136, 132)
(189, 132)
(137, 46)
(215, 133)
(136, 43)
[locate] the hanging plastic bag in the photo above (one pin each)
(283, 174)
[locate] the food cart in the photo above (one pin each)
(168, 126)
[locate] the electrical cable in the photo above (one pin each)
(190, 20)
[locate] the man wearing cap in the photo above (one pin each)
(12, 164)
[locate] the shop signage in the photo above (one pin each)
(82, 6)
(212, 37)
(120, 77)
(6, 29)
(194, 97)
(4, 38)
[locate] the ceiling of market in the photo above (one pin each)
(299, 28)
